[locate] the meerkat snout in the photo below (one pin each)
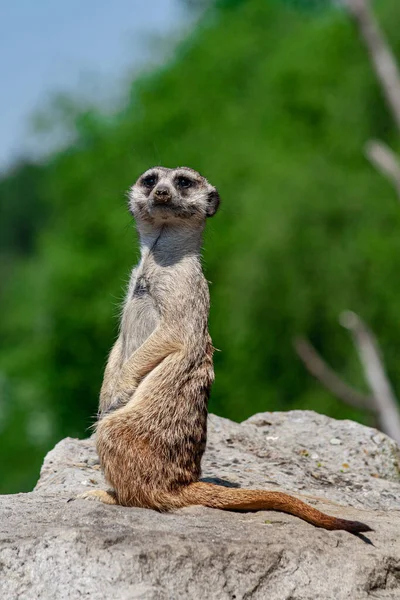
(162, 194)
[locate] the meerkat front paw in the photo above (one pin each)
(119, 401)
(99, 495)
(115, 404)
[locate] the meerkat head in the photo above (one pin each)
(164, 195)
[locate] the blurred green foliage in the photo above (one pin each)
(273, 104)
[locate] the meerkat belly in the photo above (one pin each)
(139, 320)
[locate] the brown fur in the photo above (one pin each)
(151, 433)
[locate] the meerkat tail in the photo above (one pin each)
(216, 496)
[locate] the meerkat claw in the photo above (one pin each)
(98, 495)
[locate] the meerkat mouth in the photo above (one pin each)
(163, 208)
(168, 209)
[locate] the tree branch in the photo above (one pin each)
(386, 406)
(316, 365)
(384, 160)
(381, 55)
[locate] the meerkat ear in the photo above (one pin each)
(213, 201)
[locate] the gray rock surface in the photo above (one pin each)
(51, 548)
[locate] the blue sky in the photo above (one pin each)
(48, 46)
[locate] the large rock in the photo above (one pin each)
(51, 548)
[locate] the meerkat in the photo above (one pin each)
(152, 421)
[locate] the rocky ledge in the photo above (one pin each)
(51, 548)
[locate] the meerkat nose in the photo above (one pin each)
(162, 193)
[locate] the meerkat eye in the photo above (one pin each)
(184, 182)
(149, 181)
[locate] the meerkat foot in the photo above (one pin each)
(99, 495)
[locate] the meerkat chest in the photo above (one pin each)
(140, 316)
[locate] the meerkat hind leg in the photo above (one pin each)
(100, 495)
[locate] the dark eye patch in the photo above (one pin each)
(150, 180)
(184, 182)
